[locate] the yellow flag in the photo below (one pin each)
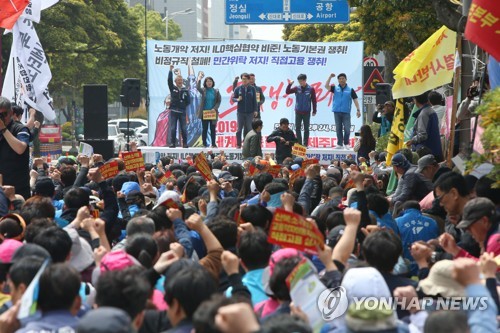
(427, 67)
(397, 135)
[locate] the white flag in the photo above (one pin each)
(48, 3)
(28, 73)
(32, 11)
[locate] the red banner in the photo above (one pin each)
(170, 203)
(109, 170)
(292, 230)
(274, 170)
(201, 164)
(309, 161)
(294, 175)
(163, 179)
(483, 26)
(10, 10)
(133, 161)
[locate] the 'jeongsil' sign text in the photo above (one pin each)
(286, 11)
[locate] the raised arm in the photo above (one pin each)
(327, 84)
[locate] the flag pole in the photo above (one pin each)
(1, 60)
(456, 86)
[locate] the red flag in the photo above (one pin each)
(10, 10)
(483, 26)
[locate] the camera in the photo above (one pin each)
(357, 134)
(474, 91)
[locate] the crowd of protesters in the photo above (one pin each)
(133, 254)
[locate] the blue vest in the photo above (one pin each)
(342, 100)
(303, 99)
(413, 226)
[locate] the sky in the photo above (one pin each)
(266, 31)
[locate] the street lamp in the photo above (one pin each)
(167, 15)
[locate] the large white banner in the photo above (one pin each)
(273, 63)
(28, 73)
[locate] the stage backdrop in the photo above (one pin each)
(272, 63)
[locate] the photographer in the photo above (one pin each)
(384, 116)
(467, 108)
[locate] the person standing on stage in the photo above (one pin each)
(343, 96)
(210, 100)
(305, 96)
(180, 99)
(14, 151)
(246, 96)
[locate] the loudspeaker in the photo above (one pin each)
(103, 147)
(95, 111)
(383, 93)
(131, 93)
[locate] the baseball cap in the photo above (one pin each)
(82, 255)
(45, 187)
(227, 176)
(273, 260)
(128, 187)
(105, 319)
(334, 235)
(168, 195)
(399, 160)
(7, 250)
(425, 161)
(474, 210)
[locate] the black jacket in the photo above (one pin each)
(282, 150)
(179, 98)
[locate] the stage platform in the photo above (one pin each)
(324, 155)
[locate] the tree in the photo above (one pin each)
(395, 27)
(89, 42)
(156, 27)
(490, 121)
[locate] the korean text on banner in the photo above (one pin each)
(209, 115)
(309, 161)
(292, 230)
(397, 135)
(28, 83)
(299, 150)
(201, 164)
(483, 26)
(427, 67)
(274, 170)
(294, 175)
(133, 161)
(163, 179)
(109, 170)
(273, 64)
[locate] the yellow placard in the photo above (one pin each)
(299, 150)
(209, 115)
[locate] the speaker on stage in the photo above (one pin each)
(383, 93)
(131, 93)
(95, 111)
(103, 147)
